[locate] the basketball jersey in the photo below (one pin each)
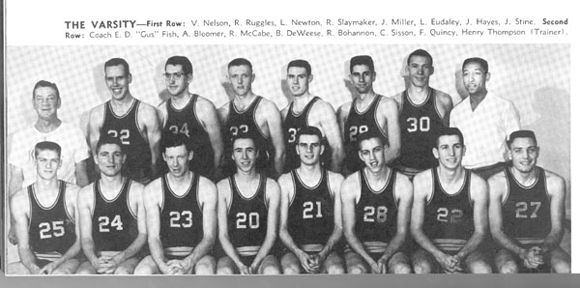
(247, 218)
(244, 123)
(526, 210)
(134, 141)
(419, 124)
(185, 121)
(181, 219)
(311, 213)
(376, 214)
(448, 219)
(114, 222)
(51, 229)
(292, 124)
(356, 124)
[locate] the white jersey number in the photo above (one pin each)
(423, 124)
(239, 129)
(357, 130)
(522, 209)
(46, 232)
(123, 135)
(176, 130)
(245, 220)
(307, 212)
(373, 214)
(443, 215)
(105, 224)
(180, 220)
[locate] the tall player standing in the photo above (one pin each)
(423, 111)
(45, 215)
(376, 210)
(310, 213)
(526, 211)
(449, 212)
(248, 205)
(111, 215)
(193, 116)
(181, 216)
(309, 110)
(134, 122)
(254, 116)
(369, 112)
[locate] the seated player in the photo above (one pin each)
(44, 214)
(449, 218)
(181, 216)
(376, 206)
(111, 214)
(310, 219)
(248, 205)
(526, 211)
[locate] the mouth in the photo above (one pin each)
(117, 90)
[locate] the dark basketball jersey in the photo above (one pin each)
(135, 143)
(358, 123)
(448, 219)
(181, 219)
(419, 125)
(247, 218)
(311, 213)
(526, 210)
(244, 123)
(376, 214)
(51, 229)
(292, 124)
(114, 222)
(185, 121)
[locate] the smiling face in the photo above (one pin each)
(117, 81)
(524, 154)
(176, 81)
(474, 78)
(298, 80)
(177, 159)
(420, 69)
(241, 78)
(449, 151)
(309, 149)
(362, 78)
(46, 102)
(47, 164)
(372, 153)
(244, 154)
(110, 159)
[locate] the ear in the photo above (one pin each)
(190, 155)
(58, 102)
(253, 78)
(59, 163)
(435, 153)
(163, 155)
(95, 159)
(129, 78)
(322, 147)
(432, 70)
(297, 150)
(124, 159)
(310, 78)
(189, 78)
(487, 76)
(360, 155)
(373, 76)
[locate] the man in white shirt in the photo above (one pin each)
(486, 121)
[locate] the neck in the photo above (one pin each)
(303, 99)
(525, 178)
(111, 181)
(313, 169)
(125, 101)
(450, 175)
(47, 124)
(368, 95)
(243, 176)
(379, 175)
(186, 177)
(417, 93)
(46, 184)
(476, 98)
(181, 98)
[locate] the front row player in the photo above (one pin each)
(526, 211)
(111, 215)
(449, 212)
(44, 215)
(376, 208)
(310, 213)
(248, 205)
(181, 216)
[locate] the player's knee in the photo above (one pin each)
(357, 269)
(422, 267)
(271, 270)
(142, 269)
(480, 267)
(59, 271)
(335, 269)
(225, 270)
(84, 271)
(291, 269)
(561, 267)
(205, 268)
(123, 271)
(400, 268)
(509, 267)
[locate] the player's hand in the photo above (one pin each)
(382, 263)
(47, 269)
(186, 266)
(315, 260)
(450, 264)
(375, 269)
(12, 236)
(245, 270)
(175, 267)
(305, 262)
(533, 257)
(165, 269)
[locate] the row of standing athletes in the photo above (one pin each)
(254, 117)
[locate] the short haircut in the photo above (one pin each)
(422, 53)
(309, 130)
(116, 62)
(244, 136)
(366, 136)
(448, 131)
(240, 62)
(362, 60)
(108, 139)
(180, 60)
(300, 63)
(46, 145)
(170, 139)
(478, 60)
(44, 83)
(521, 134)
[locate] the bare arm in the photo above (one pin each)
(444, 105)
(557, 191)
(152, 202)
(224, 196)
(273, 203)
(81, 173)
(210, 120)
(19, 205)
(85, 205)
(16, 179)
(208, 202)
(96, 119)
(274, 121)
(335, 183)
(151, 122)
(391, 113)
(330, 126)
(480, 197)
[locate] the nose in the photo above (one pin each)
(110, 158)
(244, 155)
(240, 80)
(420, 71)
(173, 162)
(295, 80)
(361, 79)
(452, 152)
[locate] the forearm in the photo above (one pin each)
(88, 247)
(356, 245)
(28, 259)
(471, 245)
(230, 250)
(265, 248)
(336, 160)
(391, 153)
(200, 250)
(156, 250)
(69, 254)
(134, 248)
(426, 243)
(332, 241)
(289, 242)
(279, 161)
(394, 245)
(552, 241)
(510, 244)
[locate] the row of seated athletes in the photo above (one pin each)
(448, 210)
